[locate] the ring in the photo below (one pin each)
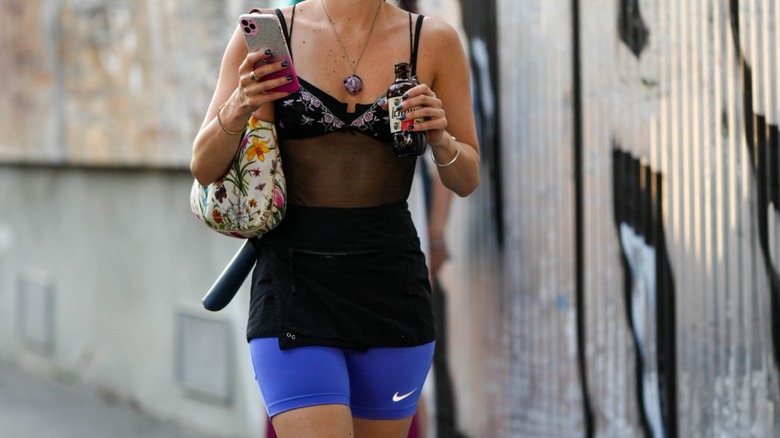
(253, 76)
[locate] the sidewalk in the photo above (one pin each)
(34, 407)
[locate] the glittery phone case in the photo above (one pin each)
(263, 31)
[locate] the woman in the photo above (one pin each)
(340, 325)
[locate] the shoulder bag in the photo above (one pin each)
(251, 198)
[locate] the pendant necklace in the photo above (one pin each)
(352, 83)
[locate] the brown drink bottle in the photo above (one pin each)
(405, 143)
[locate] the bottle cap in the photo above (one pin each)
(401, 67)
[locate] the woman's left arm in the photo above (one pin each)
(446, 106)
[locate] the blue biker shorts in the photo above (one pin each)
(377, 383)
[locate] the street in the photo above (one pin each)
(32, 406)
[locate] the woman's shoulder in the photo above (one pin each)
(438, 36)
(286, 10)
(438, 32)
(261, 11)
(302, 14)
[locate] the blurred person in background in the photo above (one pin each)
(346, 263)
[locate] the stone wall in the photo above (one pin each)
(115, 82)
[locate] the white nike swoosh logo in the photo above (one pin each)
(397, 398)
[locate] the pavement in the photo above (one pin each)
(32, 406)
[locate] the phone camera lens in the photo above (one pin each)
(245, 23)
(252, 26)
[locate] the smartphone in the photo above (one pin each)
(263, 31)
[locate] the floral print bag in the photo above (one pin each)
(251, 198)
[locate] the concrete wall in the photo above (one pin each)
(100, 268)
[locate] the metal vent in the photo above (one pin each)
(35, 301)
(204, 357)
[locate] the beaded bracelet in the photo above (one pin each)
(457, 154)
(222, 125)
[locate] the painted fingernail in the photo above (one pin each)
(402, 117)
(405, 96)
(411, 127)
(289, 77)
(284, 64)
(269, 52)
(399, 107)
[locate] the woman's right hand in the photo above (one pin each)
(254, 90)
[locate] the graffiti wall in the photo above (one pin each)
(639, 237)
(696, 127)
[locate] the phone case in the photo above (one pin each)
(263, 31)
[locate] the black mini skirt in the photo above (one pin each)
(342, 277)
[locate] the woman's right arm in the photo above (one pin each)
(235, 99)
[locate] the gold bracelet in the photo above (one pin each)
(222, 125)
(457, 154)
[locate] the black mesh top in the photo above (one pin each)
(336, 158)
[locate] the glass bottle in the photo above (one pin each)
(405, 143)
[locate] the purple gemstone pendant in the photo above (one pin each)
(353, 84)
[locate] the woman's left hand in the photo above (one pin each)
(428, 108)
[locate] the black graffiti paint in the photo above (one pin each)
(649, 290)
(579, 218)
(631, 27)
(762, 140)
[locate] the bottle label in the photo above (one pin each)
(396, 124)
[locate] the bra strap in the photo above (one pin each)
(283, 22)
(416, 44)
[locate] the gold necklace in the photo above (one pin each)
(352, 83)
